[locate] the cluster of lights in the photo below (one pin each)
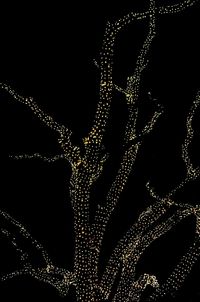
(86, 167)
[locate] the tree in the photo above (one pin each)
(87, 158)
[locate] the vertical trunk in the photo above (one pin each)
(86, 279)
(86, 282)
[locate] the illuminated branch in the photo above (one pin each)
(38, 156)
(191, 172)
(20, 230)
(134, 81)
(176, 8)
(59, 278)
(116, 87)
(92, 163)
(136, 248)
(72, 153)
(137, 288)
(129, 249)
(29, 102)
(146, 219)
(103, 212)
(160, 10)
(180, 272)
(155, 195)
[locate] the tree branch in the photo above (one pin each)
(180, 272)
(29, 102)
(160, 10)
(103, 212)
(59, 278)
(135, 249)
(72, 152)
(25, 235)
(146, 219)
(191, 172)
(129, 249)
(38, 156)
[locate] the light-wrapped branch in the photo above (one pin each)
(134, 81)
(38, 156)
(130, 153)
(115, 86)
(176, 8)
(180, 272)
(72, 152)
(59, 278)
(136, 241)
(146, 219)
(160, 10)
(20, 230)
(29, 102)
(106, 77)
(137, 288)
(192, 172)
(135, 249)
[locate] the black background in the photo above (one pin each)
(47, 52)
